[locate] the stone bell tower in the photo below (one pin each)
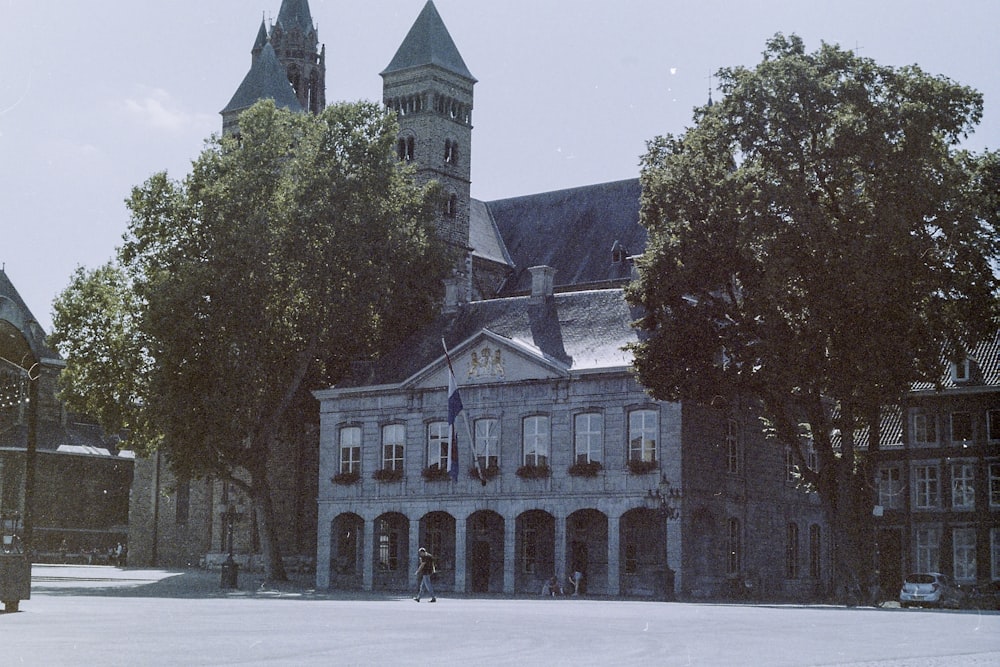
(428, 85)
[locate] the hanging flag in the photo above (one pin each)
(454, 407)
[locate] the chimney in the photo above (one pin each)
(542, 281)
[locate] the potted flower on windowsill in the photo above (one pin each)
(346, 478)
(533, 471)
(637, 467)
(489, 472)
(388, 474)
(435, 474)
(586, 469)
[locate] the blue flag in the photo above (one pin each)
(454, 407)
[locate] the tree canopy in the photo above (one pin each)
(816, 239)
(290, 250)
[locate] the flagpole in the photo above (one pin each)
(468, 429)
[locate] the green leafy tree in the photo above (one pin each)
(816, 239)
(289, 251)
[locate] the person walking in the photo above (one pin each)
(425, 568)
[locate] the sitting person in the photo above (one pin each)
(552, 587)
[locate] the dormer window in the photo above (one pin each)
(618, 254)
(960, 370)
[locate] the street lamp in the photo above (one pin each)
(667, 504)
(230, 570)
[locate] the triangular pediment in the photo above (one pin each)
(488, 358)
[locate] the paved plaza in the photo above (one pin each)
(112, 616)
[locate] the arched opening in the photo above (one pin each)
(484, 535)
(437, 535)
(346, 538)
(535, 551)
(391, 553)
(587, 549)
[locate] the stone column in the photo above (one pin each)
(368, 555)
(509, 553)
(413, 527)
(460, 557)
(614, 553)
(559, 559)
(323, 545)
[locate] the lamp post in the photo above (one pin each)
(230, 570)
(667, 504)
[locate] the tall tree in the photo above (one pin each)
(289, 251)
(815, 240)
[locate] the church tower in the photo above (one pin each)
(296, 42)
(428, 85)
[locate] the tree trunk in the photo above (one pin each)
(274, 566)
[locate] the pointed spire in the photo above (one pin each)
(295, 14)
(428, 43)
(261, 40)
(265, 80)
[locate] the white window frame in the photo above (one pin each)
(927, 547)
(962, 415)
(960, 370)
(643, 430)
(588, 437)
(487, 434)
(393, 446)
(963, 540)
(535, 440)
(993, 425)
(993, 471)
(963, 485)
(890, 487)
(926, 486)
(438, 446)
(734, 454)
(350, 449)
(924, 423)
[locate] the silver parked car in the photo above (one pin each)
(930, 589)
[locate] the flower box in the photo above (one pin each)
(345, 478)
(533, 472)
(589, 469)
(435, 474)
(642, 467)
(388, 474)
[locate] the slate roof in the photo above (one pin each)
(583, 331)
(295, 14)
(429, 43)
(23, 315)
(267, 79)
(984, 369)
(484, 237)
(572, 231)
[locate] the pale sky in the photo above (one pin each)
(97, 95)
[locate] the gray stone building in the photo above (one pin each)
(559, 461)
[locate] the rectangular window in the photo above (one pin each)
(535, 439)
(734, 547)
(924, 428)
(963, 476)
(960, 371)
(393, 440)
(588, 433)
(928, 543)
(995, 553)
(994, 484)
(438, 445)
(961, 427)
(791, 470)
(642, 433)
(993, 425)
(792, 552)
(890, 488)
(926, 487)
(733, 453)
(488, 442)
(183, 501)
(815, 552)
(350, 449)
(964, 553)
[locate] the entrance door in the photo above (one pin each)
(890, 562)
(480, 567)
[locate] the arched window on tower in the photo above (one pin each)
(450, 151)
(451, 208)
(405, 148)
